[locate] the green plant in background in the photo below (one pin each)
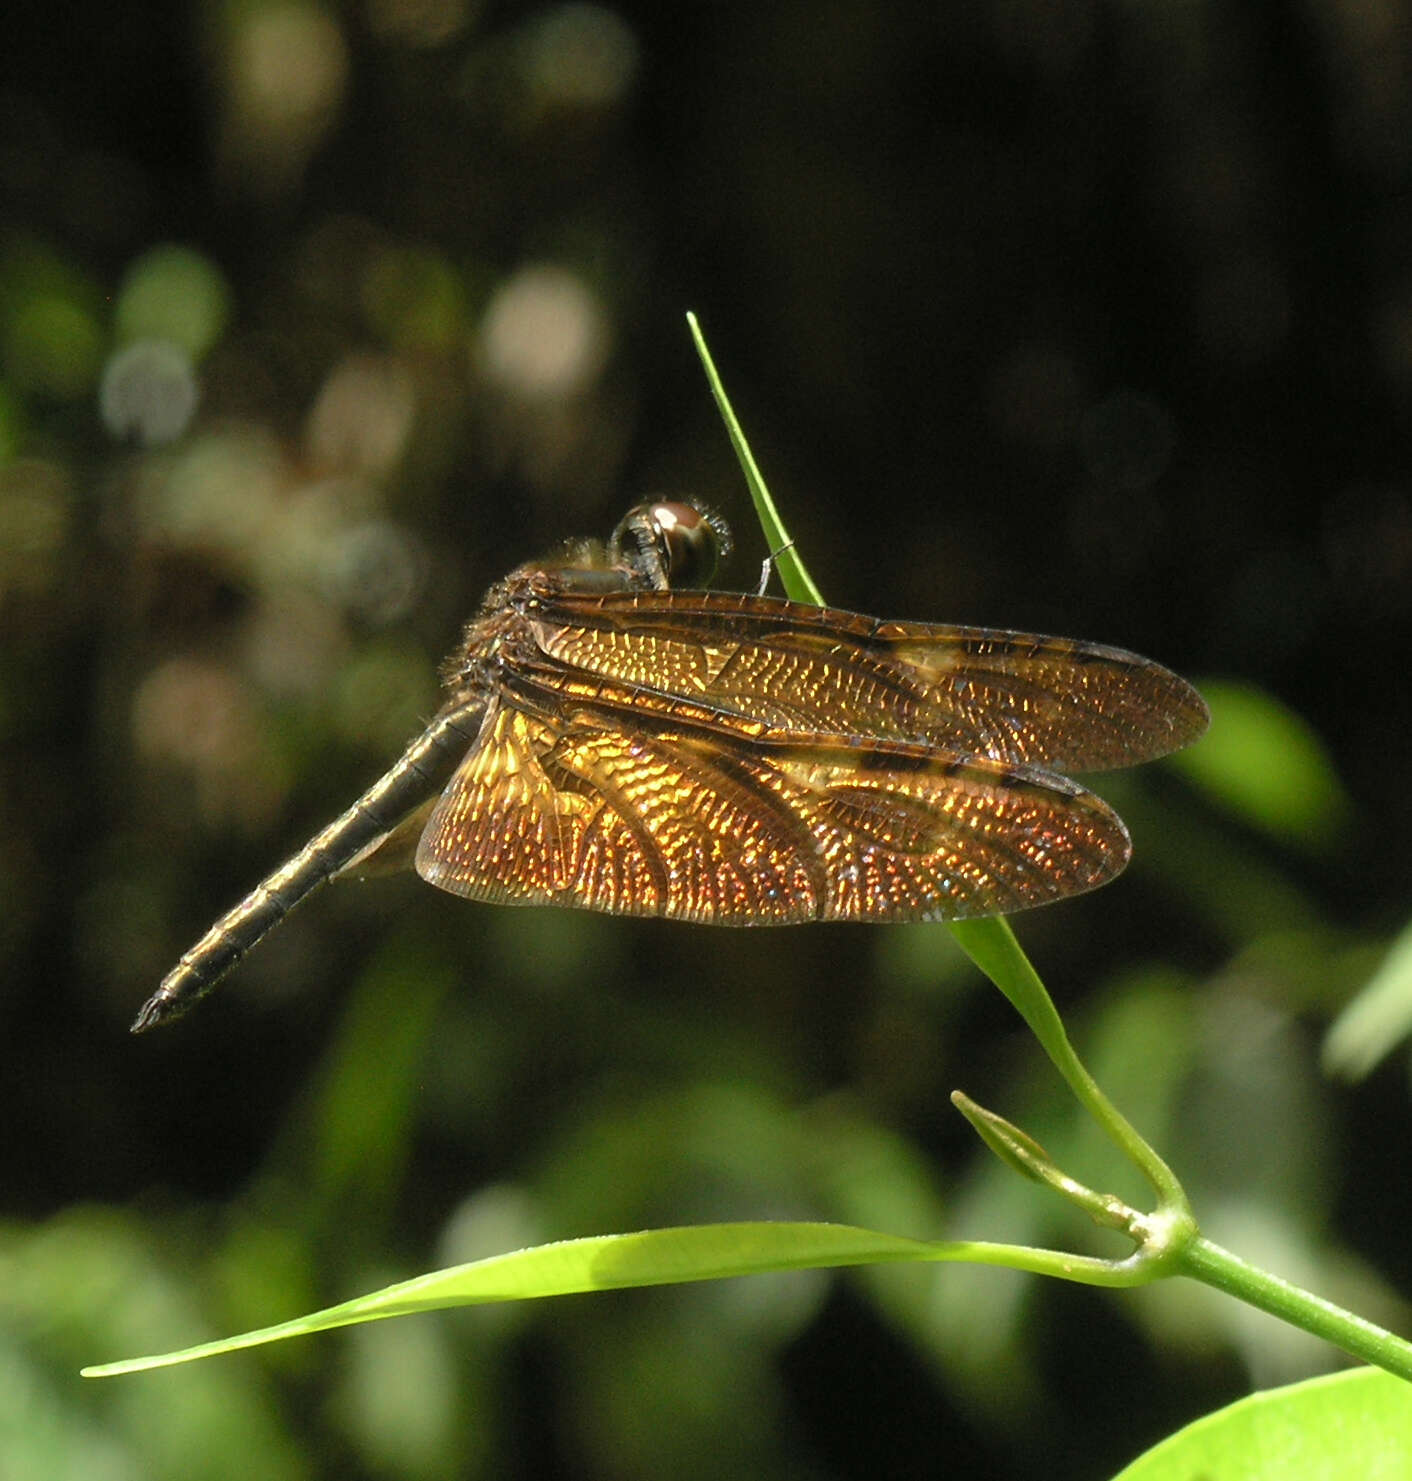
(1165, 1241)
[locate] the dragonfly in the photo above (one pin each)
(615, 736)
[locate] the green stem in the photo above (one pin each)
(1087, 1270)
(1167, 1240)
(797, 581)
(991, 944)
(1213, 1266)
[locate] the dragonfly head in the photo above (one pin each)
(668, 544)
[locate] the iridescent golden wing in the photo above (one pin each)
(613, 743)
(698, 824)
(1048, 702)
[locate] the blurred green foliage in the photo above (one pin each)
(316, 320)
(1299, 801)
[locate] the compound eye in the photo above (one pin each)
(690, 542)
(668, 544)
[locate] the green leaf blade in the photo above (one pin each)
(576, 1266)
(1348, 1424)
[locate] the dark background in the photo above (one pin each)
(1077, 317)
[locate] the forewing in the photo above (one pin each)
(699, 826)
(1014, 697)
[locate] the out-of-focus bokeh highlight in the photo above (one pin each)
(315, 320)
